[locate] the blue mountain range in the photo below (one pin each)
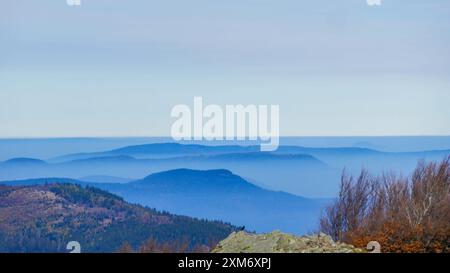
(212, 194)
(311, 172)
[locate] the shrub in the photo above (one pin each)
(403, 214)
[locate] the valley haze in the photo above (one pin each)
(286, 189)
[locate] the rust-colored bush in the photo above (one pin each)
(403, 214)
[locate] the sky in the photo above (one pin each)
(116, 68)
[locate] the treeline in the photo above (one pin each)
(130, 235)
(178, 246)
(404, 214)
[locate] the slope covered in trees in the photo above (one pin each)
(44, 218)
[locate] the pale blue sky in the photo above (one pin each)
(116, 68)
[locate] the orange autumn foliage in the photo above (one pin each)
(402, 214)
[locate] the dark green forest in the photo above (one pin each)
(45, 218)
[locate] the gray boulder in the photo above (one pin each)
(278, 242)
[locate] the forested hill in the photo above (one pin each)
(44, 218)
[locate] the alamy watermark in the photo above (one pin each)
(74, 247)
(232, 122)
(374, 2)
(73, 2)
(374, 247)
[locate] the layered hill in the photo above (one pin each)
(312, 172)
(273, 170)
(213, 194)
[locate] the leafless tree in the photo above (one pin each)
(407, 214)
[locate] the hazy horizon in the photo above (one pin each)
(45, 148)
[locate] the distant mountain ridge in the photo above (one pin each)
(312, 172)
(278, 167)
(177, 149)
(215, 195)
(163, 150)
(195, 182)
(181, 148)
(25, 161)
(46, 148)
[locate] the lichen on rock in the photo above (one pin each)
(278, 242)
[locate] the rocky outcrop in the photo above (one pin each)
(278, 242)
